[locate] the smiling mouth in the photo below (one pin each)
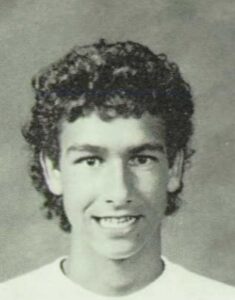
(117, 222)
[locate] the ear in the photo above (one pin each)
(52, 175)
(176, 173)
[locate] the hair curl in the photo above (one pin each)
(123, 78)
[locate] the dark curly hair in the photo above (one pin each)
(123, 78)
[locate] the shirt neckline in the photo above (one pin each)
(88, 294)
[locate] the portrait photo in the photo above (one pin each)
(117, 147)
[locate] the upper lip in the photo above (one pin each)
(118, 216)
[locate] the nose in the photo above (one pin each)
(118, 185)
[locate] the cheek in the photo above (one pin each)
(78, 191)
(75, 180)
(152, 191)
(152, 183)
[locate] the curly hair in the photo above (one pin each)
(115, 79)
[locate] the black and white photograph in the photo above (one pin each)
(117, 148)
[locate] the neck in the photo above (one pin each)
(93, 271)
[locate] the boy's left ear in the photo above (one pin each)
(176, 173)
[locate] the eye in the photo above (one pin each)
(91, 161)
(142, 160)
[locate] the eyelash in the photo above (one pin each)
(87, 158)
(145, 157)
(96, 158)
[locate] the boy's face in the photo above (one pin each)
(113, 177)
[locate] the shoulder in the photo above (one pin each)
(196, 286)
(32, 283)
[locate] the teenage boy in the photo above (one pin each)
(110, 134)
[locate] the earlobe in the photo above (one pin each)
(52, 175)
(176, 173)
(173, 184)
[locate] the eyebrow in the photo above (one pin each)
(147, 147)
(132, 150)
(85, 148)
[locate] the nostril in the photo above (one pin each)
(109, 201)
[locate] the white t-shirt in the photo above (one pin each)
(175, 283)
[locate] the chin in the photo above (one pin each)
(119, 250)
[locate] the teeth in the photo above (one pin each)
(116, 222)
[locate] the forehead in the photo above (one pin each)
(116, 133)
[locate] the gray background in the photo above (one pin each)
(199, 36)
